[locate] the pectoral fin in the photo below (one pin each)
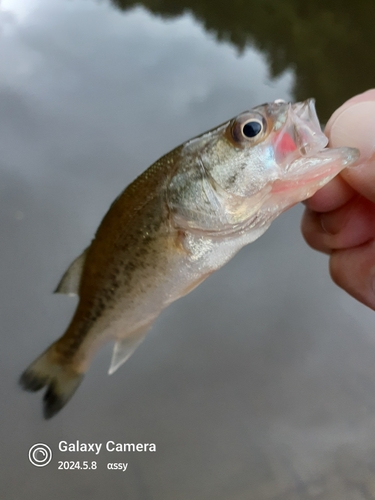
(124, 348)
(69, 283)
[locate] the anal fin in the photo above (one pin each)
(71, 279)
(125, 347)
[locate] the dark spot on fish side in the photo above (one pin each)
(68, 349)
(231, 180)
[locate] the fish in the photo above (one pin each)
(182, 219)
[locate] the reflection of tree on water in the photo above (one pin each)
(329, 43)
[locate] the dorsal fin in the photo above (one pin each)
(125, 347)
(71, 279)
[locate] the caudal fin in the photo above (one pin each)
(61, 382)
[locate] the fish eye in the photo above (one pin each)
(247, 129)
(252, 128)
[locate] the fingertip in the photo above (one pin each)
(368, 95)
(354, 127)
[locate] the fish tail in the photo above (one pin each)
(60, 379)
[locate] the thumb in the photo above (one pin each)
(353, 124)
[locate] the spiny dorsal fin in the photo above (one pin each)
(124, 348)
(70, 281)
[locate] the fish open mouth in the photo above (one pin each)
(308, 134)
(301, 134)
(301, 152)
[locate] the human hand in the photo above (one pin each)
(340, 218)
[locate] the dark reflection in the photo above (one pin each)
(328, 43)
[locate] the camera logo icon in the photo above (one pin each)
(40, 455)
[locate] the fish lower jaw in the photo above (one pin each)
(306, 175)
(318, 179)
(286, 193)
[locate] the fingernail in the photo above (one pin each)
(330, 225)
(355, 127)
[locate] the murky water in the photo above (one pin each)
(260, 384)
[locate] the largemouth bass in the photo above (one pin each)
(177, 223)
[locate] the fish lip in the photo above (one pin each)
(290, 184)
(329, 162)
